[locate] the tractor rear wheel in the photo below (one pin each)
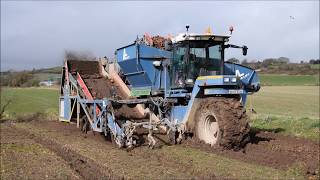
(222, 122)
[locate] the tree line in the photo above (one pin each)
(281, 65)
(19, 79)
(272, 61)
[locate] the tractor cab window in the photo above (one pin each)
(214, 61)
(178, 66)
(215, 53)
(198, 52)
(192, 59)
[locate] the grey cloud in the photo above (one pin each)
(35, 34)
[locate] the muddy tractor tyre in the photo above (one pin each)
(222, 122)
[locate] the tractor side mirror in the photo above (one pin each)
(244, 50)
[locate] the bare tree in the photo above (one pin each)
(4, 107)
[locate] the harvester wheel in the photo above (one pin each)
(222, 122)
(173, 137)
(84, 124)
(109, 136)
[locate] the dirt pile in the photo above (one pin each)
(84, 67)
(101, 87)
(98, 86)
(158, 41)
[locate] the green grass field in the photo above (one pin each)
(29, 101)
(293, 109)
(289, 80)
(315, 66)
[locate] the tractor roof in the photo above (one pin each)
(192, 36)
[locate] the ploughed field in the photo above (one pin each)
(60, 150)
(284, 143)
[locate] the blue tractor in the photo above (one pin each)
(184, 88)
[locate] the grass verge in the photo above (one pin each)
(289, 80)
(300, 127)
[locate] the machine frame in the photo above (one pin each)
(146, 69)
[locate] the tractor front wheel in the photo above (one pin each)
(222, 122)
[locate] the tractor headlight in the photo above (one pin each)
(189, 81)
(233, 79)
(226, 80)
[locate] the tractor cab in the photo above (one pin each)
(194, 56)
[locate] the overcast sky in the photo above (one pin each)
(36, 34)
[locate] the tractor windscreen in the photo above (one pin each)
(192, 59)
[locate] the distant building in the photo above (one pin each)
(46, 83)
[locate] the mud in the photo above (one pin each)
(85, 167)
(134, 164)
(266, 149)
(23, 158)
(273, 150)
